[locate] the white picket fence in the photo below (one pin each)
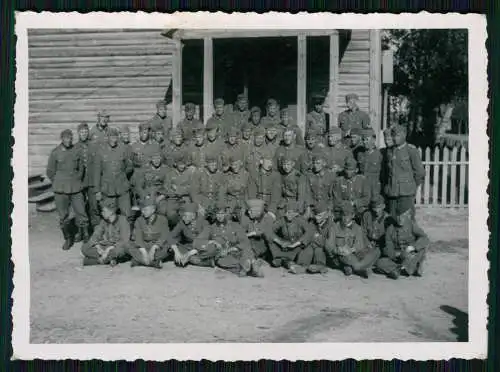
(446, 178)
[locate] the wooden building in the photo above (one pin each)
(74, 73)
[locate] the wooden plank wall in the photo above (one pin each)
(74, 73)
(354, 70)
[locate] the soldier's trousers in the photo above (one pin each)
(93, 206)
(77, 203)
(202, 258)
(400, 202)
(374, 182)
(123, 203)
(234, 262)
(411, 261)
(160, 254)
(278, 253)
(259, 247)
(312, 254)
(360, 261)
(90, 252)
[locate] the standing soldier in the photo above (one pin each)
(213, 144)
(219, 118)
(288, 147)
(158, 135)
(160, 119)
(209, 184)
(405, 247)
(83, 146)
(370, 161)
(190, 123)
(389, 143)
(290, 234)
(149, 245)
(262, 182)
(256, 118)
(305, 159)
(316, 119)
(175, 147)
(356, 143)
(109, 240)
(228, 244)
(405, 172)
(232, 148)
(237, 180)
(272, 117)
(149, 179)
(241, 115)
(291, 186)
(99, 132)
(351, 187)
(197, 148)
(336, 151)
(143, 147)
(375, 222)
(348, 246)
(287, 123)
(257, 225)
(65, 169)
(353, 117)
(112, 165)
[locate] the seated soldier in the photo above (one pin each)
(257, 224)
(313, 257)
(289, 235)
(209, 185)
(375, 221)
(149, 245)
(405, 248)
(348, 246)
(336, 151)
(183, 235)
(226, 242)
(109, 240)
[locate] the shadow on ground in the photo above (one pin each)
(460, 322)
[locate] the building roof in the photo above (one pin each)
(182, 34)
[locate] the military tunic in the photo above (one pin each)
(222, 122)
(184, 235)
(289, 232)
(214, 148)
(142, 152)
(198, 155)
(319, 187)
(98, 134)
(188, 128)
(262, 184)
(315, 252)
(370, 165)
(336, 157)
(179, 189)
(149, 181)
(149, 232)
(316, 122)
(306, 158)
(232, 151)
(240, 118)
(170, 153)
(374, 228)
(92, 152)
(255, 156)
(350, 119)
(165, 122)
(299, 135)
(268, 121)
(237, 188)
(208, 187)
(270, 147)
(291, 186)
(355, 189)
(262, 227)
(293, 152)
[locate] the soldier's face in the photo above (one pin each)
(347, 220)
(246, 134)
(349, 173)
(242, 104)
(271, 133)
(355, 139)
(189, 114)
(379, 210)
(236, 166)
(158, 136)
(199, 139)
(256, 117)
(389, 142)
(181, 166)
(368, 142)
(113, 140)
(398, 138)
(125, 136)
(310, 142)
(67, 141)
(178, 139)
(255, 212)
(258, 140)
(318, 165)
(212, 166)
(103, 120)
(272, 110)
(162, 111)
(267, 164)
(83, 134)
(108, 214)
(351, 104)
(188, 217)
(156, 160)
(231, 139)
(320, 217)
(318, 107)
(291, 214)
(144, 135)
(220, 216)
(287, 166)
(148, 211)
(219, 110)
(288, 137)
(334, 139)
(285, 117)
(212, 134)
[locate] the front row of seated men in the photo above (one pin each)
(344, 240)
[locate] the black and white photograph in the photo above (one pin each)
(244, 179)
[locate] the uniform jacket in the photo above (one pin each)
(336, 156)
(231, 151)
(398, 238)
(239, 118)
(291, 186)
(178, 185)
(262, 184)
(350, 119)
(166, 123)
(319, 187)
(215, 148)
(170, 152)
(316, 121)
(356, 190)
(237, 185)
(93, 151)
(320, 234)
(112, 165)
(83, 148)
(109, 234)
(155, 231)
(198, 155)
(292, 231)
(255, 155)
(305, 159)
(294, 151)
(186, 234)
(404, 171)
(65, 169)
(271, 120)
(374, 228)
(228, 235)
(223, 122)
(101, 135)
(208, 187)
(188, 127)
(150, 179)
(344, 241)
(263, 226)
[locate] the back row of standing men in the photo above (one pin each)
(237, 161)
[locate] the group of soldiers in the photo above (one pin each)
(244, 189)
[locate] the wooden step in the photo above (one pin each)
(46, 196)
(39, 188)
(35, 178)
(46, 207)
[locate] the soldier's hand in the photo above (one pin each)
(272, 215)
(410, 249)
(201, 210)
(159, 198)
(98, 196)
(251, 233)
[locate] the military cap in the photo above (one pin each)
(318, 98)
(233, 131)
(247, 127)
(388, 132)
(103, 112)
(241, 97)
(183, 157)
(109, 203)
(177, 131)
(256, 109)
(350, 163)
(398, 129)
(220, 205)
(311, 133)
(284, 110)
(161, 103)
(317, 154)
(255, 203)
(356, 131)
(334, 130)
(347, 208)
(377, 200)
(198, 131)
(211, 125)
(113, 132)
(271, 102)
(218, 102)
(83, 125)
(157, 127)
(319, 208)
(292, 205)
(148, 201)
(125, 129)
(259, 131)
(367, 132)
(66, 133)
(189, 106)
(211, 157)
(350, 96)
(144, 126)
(189, 208)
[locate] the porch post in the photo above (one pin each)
(208, 78)
(177, 82)
(301, 81)
(375, 80)
(333, 91)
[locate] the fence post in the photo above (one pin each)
(453, 186)
(427, 179)
(444, 181)
(418, 196)
(435, 176)
(463, 169)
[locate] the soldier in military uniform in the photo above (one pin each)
(287, 124)
(262, 182)
(175, 147)
(219, 119)
(291, 186)
(356, 143)
(258, 151)
(179, 188)
(236, 180)
(99, 132)
(353, 117)
(272, 140)
(232, 148)
(65, 169)
(241, 115)
(149, 245)
(257, 225)
(213, 143)
(189, 123)
(227, 243)
(247, 136)
(370, 161)
(305, 159)
(348, 246)
(351, 187)
(143, 147)
(111, 169)
(375, 222)
(290, 234)
(316, 119)
(272, 118)
(405, 247)
(209, 184)
(197, 148)
(313, 257)
(149, 179)
(336, 152)
(157, 134)
(125, 135)
(288, 147)
(405, 172)
(109, 241)
(160, 119)
(83, 146)
(256, 118)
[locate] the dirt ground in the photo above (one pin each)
(75, 304)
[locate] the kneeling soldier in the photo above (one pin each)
(109, 240)
(149, 246)
(349, 247)
(405, 246)
(257, 224)
(289, 235)
(228, 244)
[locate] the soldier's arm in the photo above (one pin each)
(303, 193)
(97, 235)
(364, 200)
(330, 246)
(360, 239)
(51, 166)
(97, 171)
(165, 231)
(389, 248)
(417, 166)
(139, 234)
(307, 231)
(422, 240)
(124, 230)
(365, 121)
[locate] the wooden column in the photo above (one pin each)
(333, 91)
(375, 80)
(208, 78)
(301, 81)
(177, 82)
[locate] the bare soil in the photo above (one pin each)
(75, 304)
